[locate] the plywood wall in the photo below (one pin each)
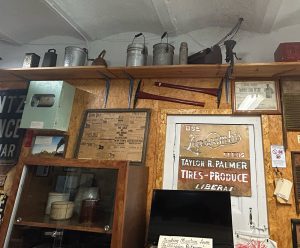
(279, 215)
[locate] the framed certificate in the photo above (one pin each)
(255, 97)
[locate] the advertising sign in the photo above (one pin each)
(215, 157)
(11, 109)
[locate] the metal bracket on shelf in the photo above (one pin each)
(107, 88)
(130, 90)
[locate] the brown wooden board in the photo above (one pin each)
(114, 134)
(215, 157)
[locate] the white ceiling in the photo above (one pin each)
(24, 21)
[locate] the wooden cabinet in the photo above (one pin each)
(120, 218)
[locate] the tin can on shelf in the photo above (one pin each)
(50, 58)
(31, 60)
(163, 53)
(137, 53)
(75, 56)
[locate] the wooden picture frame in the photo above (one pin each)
(296, 172)
(256, 97)
(104, 134)
(49, 145)
(295, 232)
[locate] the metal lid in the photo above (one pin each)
(76, 48)
(136, 46)
(62, 203)
(58, 194)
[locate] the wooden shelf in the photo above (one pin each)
(70, 162)
(257, 70)
(71, 224)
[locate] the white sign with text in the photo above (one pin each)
(184, 242)
(278, 156)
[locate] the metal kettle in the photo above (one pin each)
(100, 60)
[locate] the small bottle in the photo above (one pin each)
(183, 53)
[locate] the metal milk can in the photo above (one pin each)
(137, 53)
(75, 56)
(163, 52)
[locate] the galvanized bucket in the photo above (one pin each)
(163, 53)
(137, 53)
(75, 56)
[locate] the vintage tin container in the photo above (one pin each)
(137, 53)
(50, 58)
(48, 105)
(75, 56)
(31, 60)
(61, 210)
(163, 53)
(287, 52)
(54, 197)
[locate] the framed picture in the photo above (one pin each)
(49, 145)
(296, 179)
(255, 97)
(114, 134)
(295, 232)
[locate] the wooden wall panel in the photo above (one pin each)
(279, 215)
(293, 143)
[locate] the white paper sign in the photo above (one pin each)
(278, 156)
(37, 124)
(43, 140)
(184, 242)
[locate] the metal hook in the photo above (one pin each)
(278, 172)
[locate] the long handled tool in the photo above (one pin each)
(144, 95)
(208, 91)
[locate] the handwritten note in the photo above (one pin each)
(184, 242)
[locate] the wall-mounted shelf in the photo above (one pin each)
(72, 224)
(258, 70)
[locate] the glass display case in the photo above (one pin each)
(79, 203)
